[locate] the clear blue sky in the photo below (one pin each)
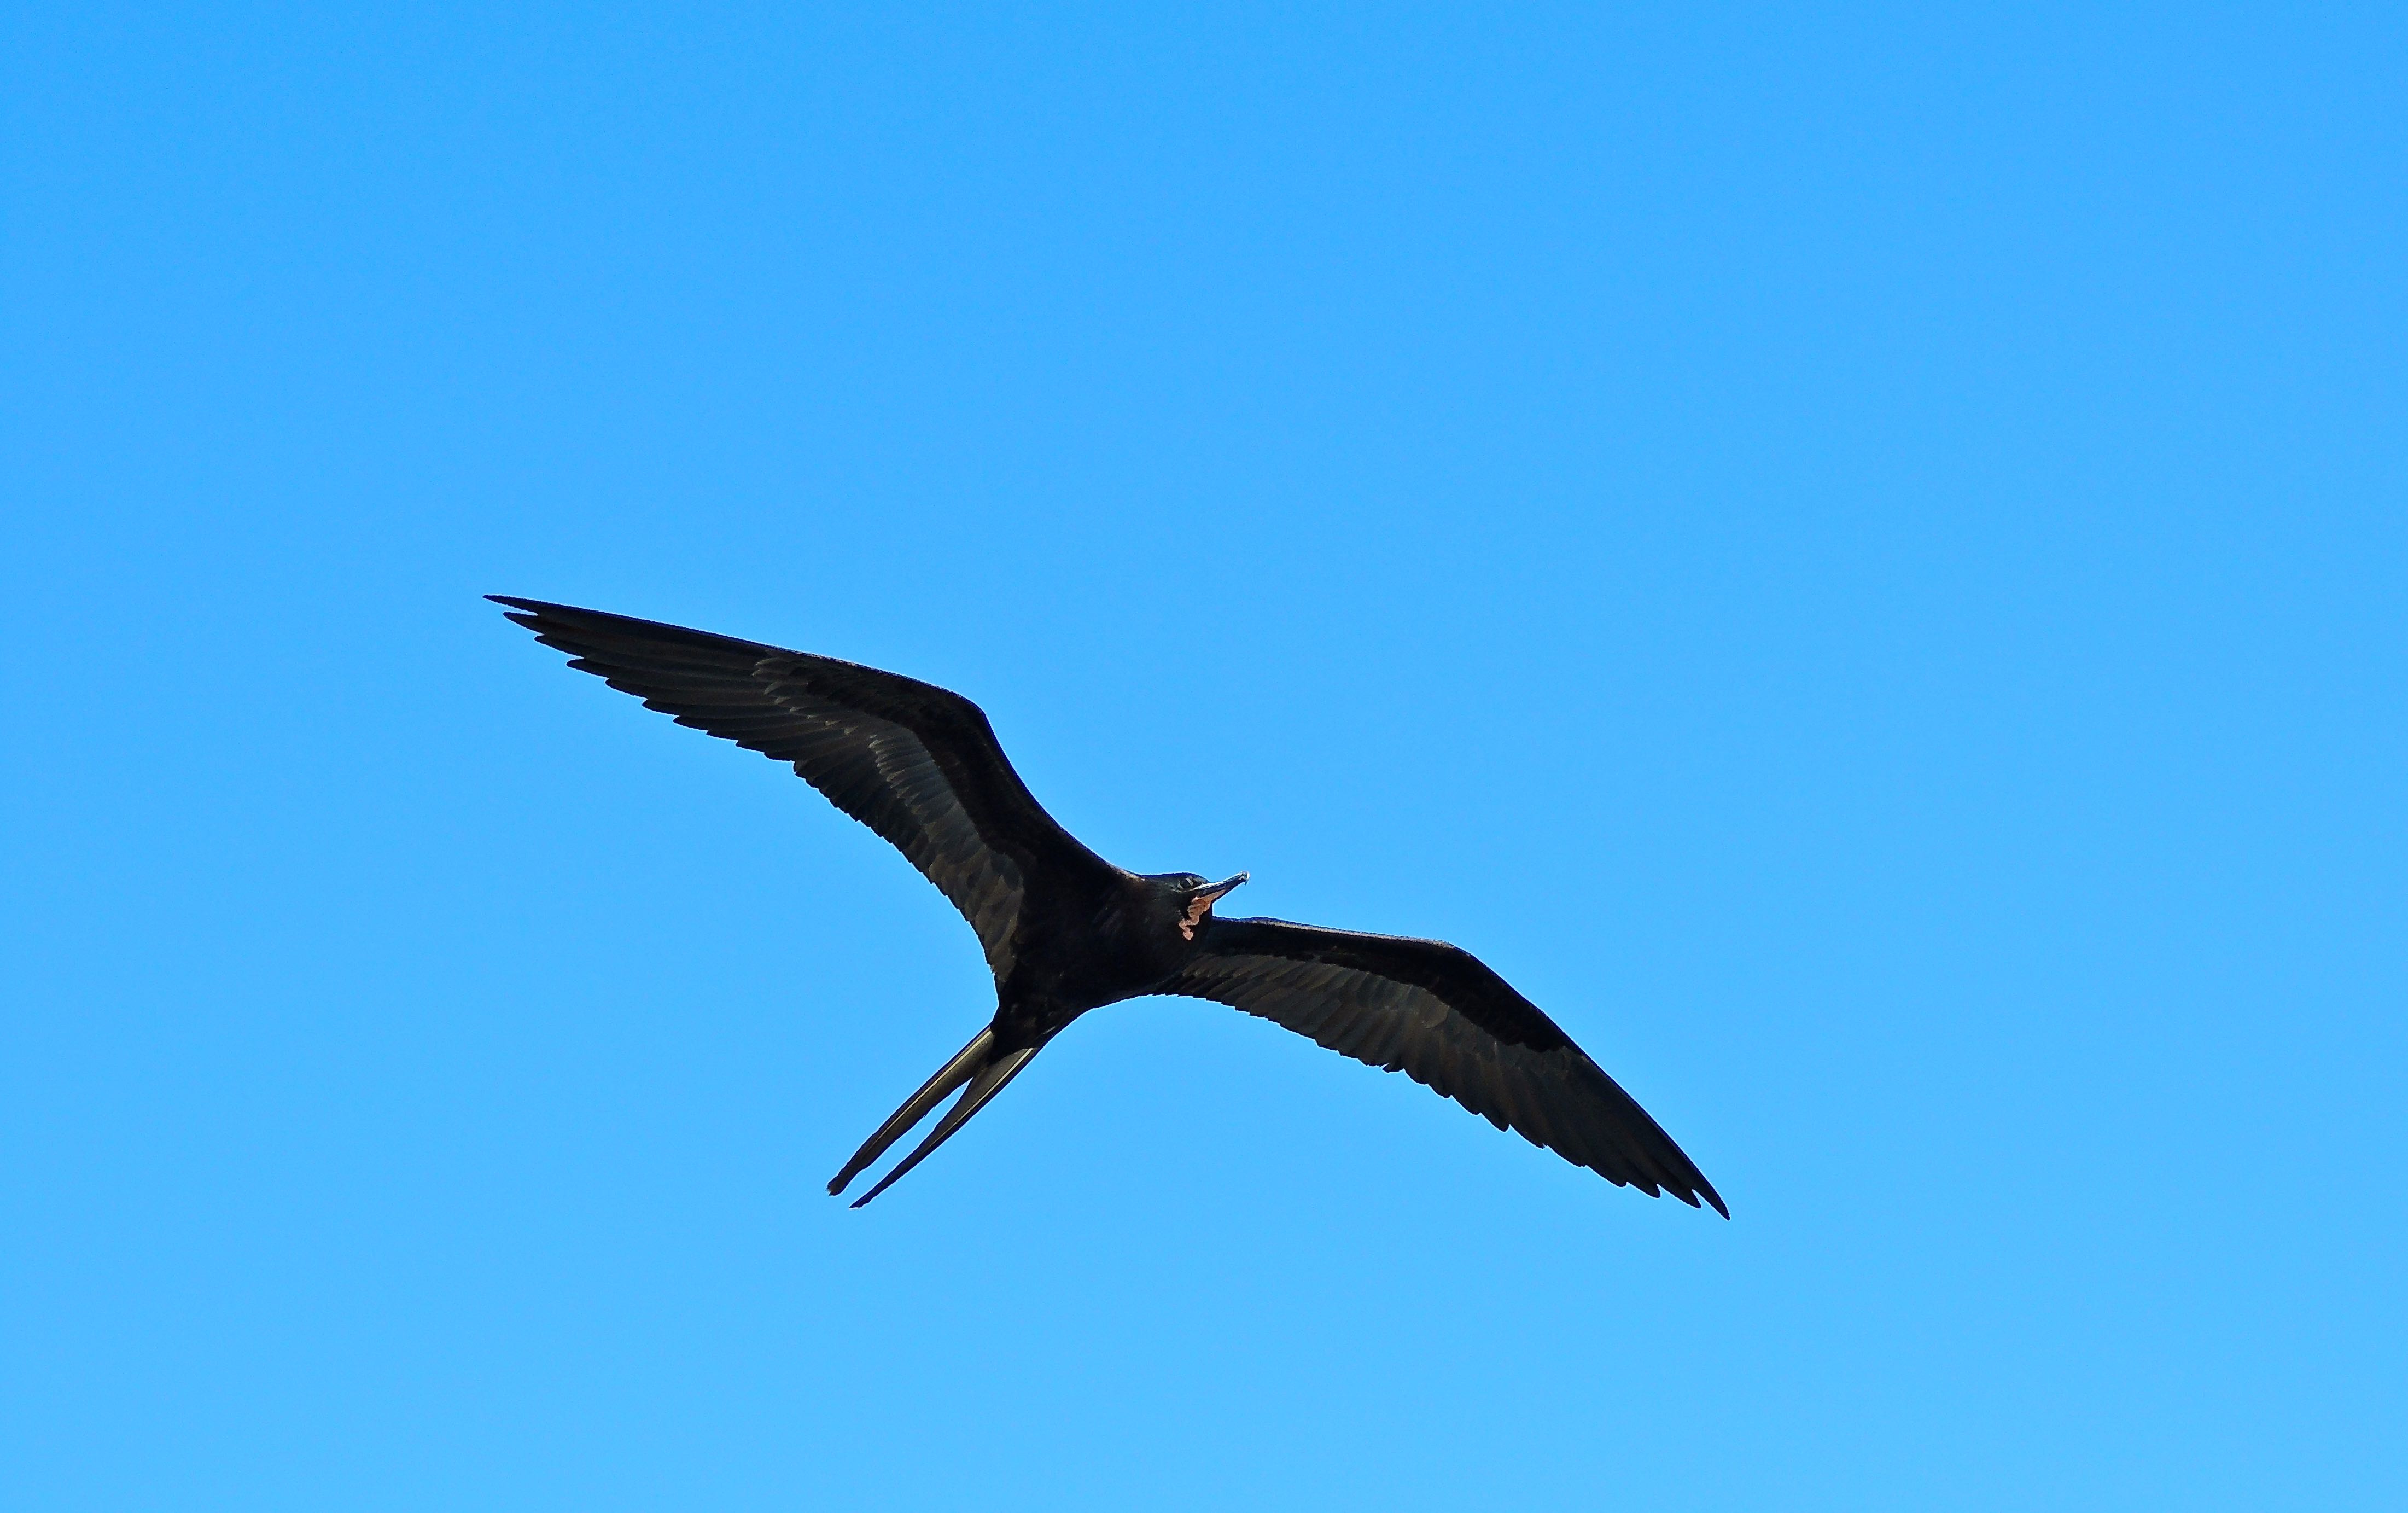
(1858, 556)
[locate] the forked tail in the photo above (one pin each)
(979, 1064)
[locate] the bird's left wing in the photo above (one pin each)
(1438, 1014)
(917, 763)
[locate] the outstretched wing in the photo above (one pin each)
(1438, 1014)
(914, 762)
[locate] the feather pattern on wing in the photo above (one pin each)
(1438, 1014)
(916, 763)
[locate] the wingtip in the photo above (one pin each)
(526, 612)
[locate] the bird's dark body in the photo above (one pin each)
(1066, 932)
(1111, 940)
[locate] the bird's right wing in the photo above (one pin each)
(914, 762)
(1438, 1014)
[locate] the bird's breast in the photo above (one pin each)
(1105, 958)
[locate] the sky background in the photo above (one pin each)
(1856, 555)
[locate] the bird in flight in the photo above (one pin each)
(1067, 931)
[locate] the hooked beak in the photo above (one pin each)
(1200, 902)
(1208, 897)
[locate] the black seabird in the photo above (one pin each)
(1066, 932)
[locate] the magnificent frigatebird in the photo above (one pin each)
(1067, 931)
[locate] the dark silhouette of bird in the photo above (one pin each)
(1067, 931)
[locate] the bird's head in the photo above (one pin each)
(1194, 898)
